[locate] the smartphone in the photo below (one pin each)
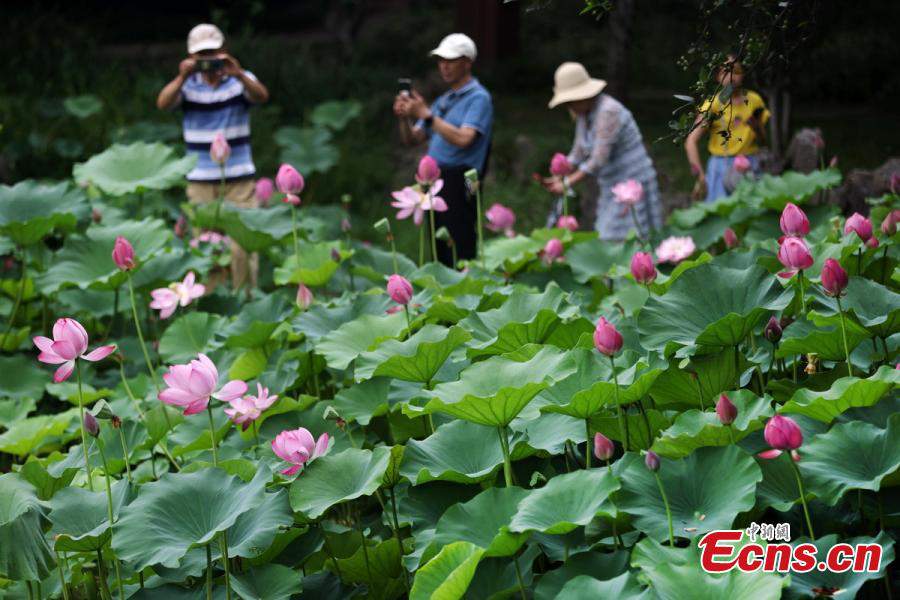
(210, 64)
(405, 84)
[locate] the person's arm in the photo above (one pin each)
(692, 146)
(409, 135)
(171, 92)
(462, 136)
(255, 91)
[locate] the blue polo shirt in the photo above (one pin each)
(469, 106)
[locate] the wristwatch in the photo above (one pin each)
(429, 120)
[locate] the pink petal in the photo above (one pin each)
(73, 333)
(64, 371)
(64, 349)
(196, 407)
(51, 358)
(770, 454)
(418, 215)
(177, 397)
(438, 204)
(43, 343)
(100, 353)
(198, 384)
(322, 445)
(231, 390)
(291, 470)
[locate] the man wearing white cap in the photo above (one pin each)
(215, 95)
(458, 128)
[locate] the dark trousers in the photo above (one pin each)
(459, 218)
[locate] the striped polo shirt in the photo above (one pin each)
(209, 110)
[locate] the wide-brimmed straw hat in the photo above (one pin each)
(571, 82)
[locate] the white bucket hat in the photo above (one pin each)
(204, 37)
(455, 45)
(571, 82)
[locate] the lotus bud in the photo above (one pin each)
(603, 447)
(91, 425)
(833, 163)
(180, 227)
(793, 221)
(860, 225)
(399, 289)
(219, 150)
(123, 254)
(607, 338)
(289, 182)
(304, 297)
(567, 222)
(741, 164)
(782, 433)
(794, 254)
(428, 171)
(264, 190)
(642, 268)
(834, 278)
(651, 459)
(96, 215)
(726, 410)
(382, 226)
(889, 225)
(560, 165)
(335, 255)
(872, 242)
(731, 238)
(553, 251)
(345, 225)
(773, 330)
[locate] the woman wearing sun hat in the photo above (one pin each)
(608, 147)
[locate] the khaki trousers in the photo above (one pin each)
(244, 266)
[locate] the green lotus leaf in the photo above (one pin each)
(335, 114)
(875, 454)
(849, 582)
(418, 358)
(321, 319)
(256, 322)
(625, 587)
(189, 335)
(28, 435)
(706, 491)
(80, 520)
(497, 577)
(314, 266)
(376, 264)
(30, 210)
(254, 229)
(698, 383)
(639, 436)
(662, 283)
(710, 305)
(363, 401)
(494, 391)
(86, 261)
(191, 435)
(45, 484)
(634, 383)
(309, 149)
(524, 318)
(670, 581)
(137, 167)
(344, 344)
(377, 565)
(484, 521)
(821, 335)
(695, 429)
(510, 254)
(774, 192)
(182, 510)
(83, 106)
(844, 394)
(24, 552)
(438, 455)
(447, 575)
(595, 564)
(550, 432)
(565, 502)
(147, 131)
(875, 307)
(272, 582)
(596, 258)
(392, 474)
(28, 384)
(249, 365)
(336, 478)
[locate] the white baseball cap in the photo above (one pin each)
(204, 37)
(455, 45)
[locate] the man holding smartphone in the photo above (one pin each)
(215, 95)
(458, 128)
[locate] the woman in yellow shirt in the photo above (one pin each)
(735, 124)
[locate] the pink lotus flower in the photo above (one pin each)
(834, 278)
(245, 410)
(731, 238)
(167, 299)
(628, 192)
(264, 190)
(213, 238)
(794, 254)
(500, 218)
(90, 424)
(781, 433)
(741, 164)
(304, 297)
(726, 410)
(180, 227)
(123, 254)
(69, 343)
(859, 224)
(560, 165)
(298, 447)
(651, 460)
(345, 225)
(192, 385)
(411, 201)
(603, 447)
(567, 222)
(219, 150)
(642, 268)
(290, 183)
(872, 242)
(428, 171)
(399, 289)
(552, 252)
(675, 249)
(793, 221)
(607, 338)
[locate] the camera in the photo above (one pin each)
(210, 64)
(405, 84)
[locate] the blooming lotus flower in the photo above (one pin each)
(603, 447)
(167, 299)
(560, 165)
(794, 254)
(730, 237)
(264, 190)
(432, 200)
(290, 183)
(298, 447)
(781, 433)
(500, 218)
(651, 460)
(628, 192)
(834, 278)
(90, 424)
(219, 150)
(192, 385)
(213, 238)
(245, 410)
(69, 343)
(642, 268)
(304, 297)
(411, 201)
(123, 254)
(607, 338)
(567, 222)
(859, 224)
(741, 164)
(553, 251)
(399, 289)
(793, 221)
(773, 330)
(726, 410)
(675, 249)
(428, 171)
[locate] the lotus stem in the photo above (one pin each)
(730, 433)
(623, 425)
(224, 541)
(616, 540)
(802, 292)
(109, 512)
(665, 500)
(125, 453)
(102, 576)
(209, 581)
(140, 334)
(587, 445)
(212, 436)
(434, 256)
(221, 198)
(844, 336)
(421, 245)
(480, 224)
(884, 266)
(62, 578)
(802, 495)
(640, 406)
(408, 322)
(15, 309)
(84, 447)
(294, 233)
(362, 539)
(334, 561)
(519, 577)
(886, 353)
(637, 228)
(397, 535)
(565, 197)
(390, 237)
(507, 463)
